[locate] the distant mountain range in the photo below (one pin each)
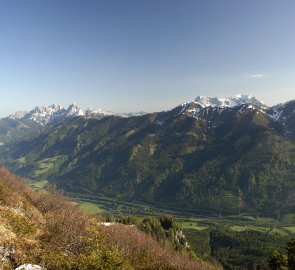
(22, 123)
(46, 115)
(223, 154)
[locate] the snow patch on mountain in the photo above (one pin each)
(74, 110)
(284, 114)
(276, 114)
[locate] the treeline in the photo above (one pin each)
(49, 230)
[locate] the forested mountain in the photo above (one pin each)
(227, 155)
(12, 130)
(25, 123)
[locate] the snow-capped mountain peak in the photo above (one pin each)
(209, 107)
(74, 110)
(47, 114)
(234, 101)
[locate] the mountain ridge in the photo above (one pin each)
(238, 158)
(188, 157)
(44, 115)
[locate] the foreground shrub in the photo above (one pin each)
(145, 253)
(88, 249)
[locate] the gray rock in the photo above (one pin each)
(29, 267)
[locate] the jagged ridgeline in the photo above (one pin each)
(227, 155)
(49, 231)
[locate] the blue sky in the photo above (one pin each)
(131, 55)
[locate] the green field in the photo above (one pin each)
(38, 184)
(91, 208)
(192, 225)
(288, 218)
(47, 164)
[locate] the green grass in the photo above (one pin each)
(238, 228)
(131, 132)
(193, 225)
(190, 149)
(290, 229)
(39, 184)
(21, 160)
(135, 150)
(288, 219)
(152, 149)
(91, 208)
(281, 231)
(45, 165)
(258, 219)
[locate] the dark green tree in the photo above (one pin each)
(291, 254)
(168, 222)
(278, 261)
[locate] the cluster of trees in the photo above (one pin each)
(281, 261)
(235, 250)
(165, 229)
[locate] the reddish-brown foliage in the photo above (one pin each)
(144, 252)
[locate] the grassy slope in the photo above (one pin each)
(48, 229)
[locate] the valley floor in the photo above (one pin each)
(235, 240)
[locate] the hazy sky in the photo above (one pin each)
(131, 55)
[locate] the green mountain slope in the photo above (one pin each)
(227, 160)
(13, 130)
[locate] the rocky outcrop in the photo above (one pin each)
(29, 267)
(6, 251)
